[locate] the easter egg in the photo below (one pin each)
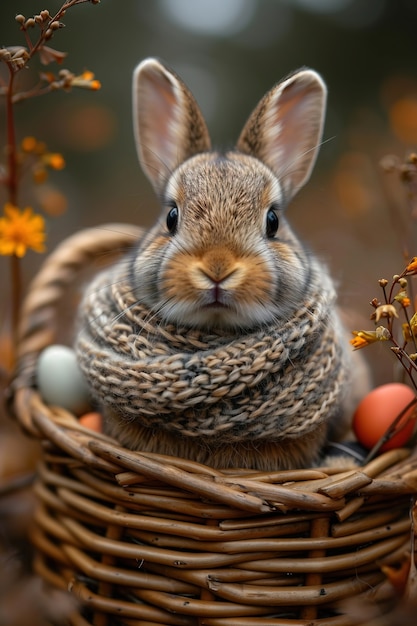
(92, 420)
(376, 412)
(60, 380)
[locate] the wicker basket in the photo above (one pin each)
(143, 539)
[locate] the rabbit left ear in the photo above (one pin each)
(285, 129)
(169, 126)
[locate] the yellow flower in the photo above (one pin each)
(402, 298)
(54, 160)
(409, 329)
(86, 80)
(87, 75)
(42, 158)
(405, 328)
(359, 342)
(412, 266)
(29, 144)
(363, 338)
(413, 323)
(20, 230)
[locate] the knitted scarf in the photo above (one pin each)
(270, 383)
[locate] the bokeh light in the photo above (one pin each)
(216, 17)
(351, 183)
(323, 6)
(87, 127)
(403, 120)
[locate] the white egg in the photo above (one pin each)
(60, 380)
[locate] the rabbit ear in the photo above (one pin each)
(285, 129)
(169, 126)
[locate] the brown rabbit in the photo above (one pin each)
(218, 339)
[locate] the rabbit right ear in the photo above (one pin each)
(285, 129)
(169, 126)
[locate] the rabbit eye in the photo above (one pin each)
(272, 223)
(172, 219)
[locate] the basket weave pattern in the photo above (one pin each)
(144, 539)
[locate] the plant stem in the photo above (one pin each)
(67, 5)
(11, 142)
(390, 431)
(12, 187)
(16, 293)
(32, 93)
(411, 330)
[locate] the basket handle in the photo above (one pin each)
(60, 270)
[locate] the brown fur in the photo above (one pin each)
(259, 455)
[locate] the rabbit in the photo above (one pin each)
(223, 261)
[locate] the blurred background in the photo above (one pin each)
(352, 213)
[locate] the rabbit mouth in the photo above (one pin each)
(217, 298)
(215, 305)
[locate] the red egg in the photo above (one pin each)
(378, 410)
(92, 420)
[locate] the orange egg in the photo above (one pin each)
(92, 420)
(378, 410)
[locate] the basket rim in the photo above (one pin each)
(320, 490)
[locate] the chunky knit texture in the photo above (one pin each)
(274, 382)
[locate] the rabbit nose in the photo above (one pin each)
(214, 283)
(217, 287)
(217, 277)
(217, 266)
